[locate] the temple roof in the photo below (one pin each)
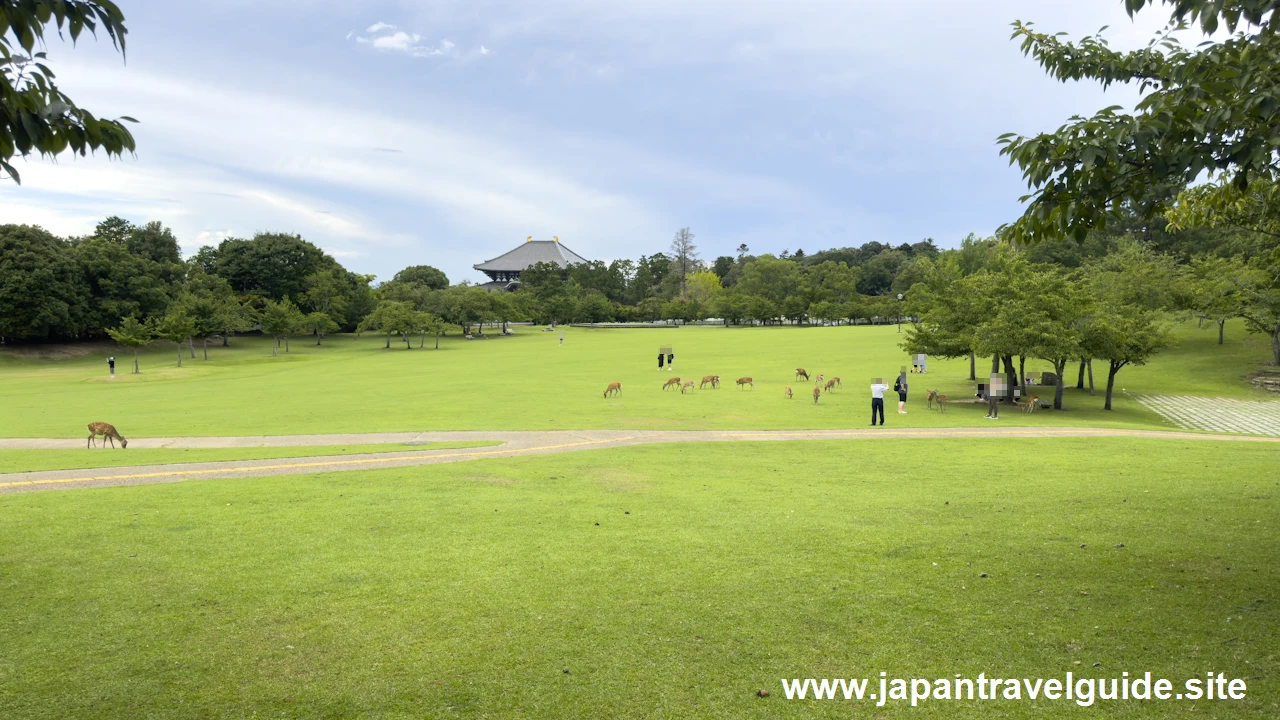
(531, 252)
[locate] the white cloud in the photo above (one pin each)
(379, 27)
(484, 50)
(401, 40)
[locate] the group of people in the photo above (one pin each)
(877, 397)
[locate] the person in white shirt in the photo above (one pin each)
(877, 400)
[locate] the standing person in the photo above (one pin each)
(994, 389)
(661, 357)
(877, 400)
(671, 359)
(561, 337)
(111, 364)
(900, 387)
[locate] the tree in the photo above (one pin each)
(134, 334)
(422, 275)
(325, 293)
(273, 265)
(1218, 289)
(1123, 335)
(177, 326)
(35, 116)
(42, 292)
(393, 317)
(722, 266)
(1210, 109)
(684, 258)
(280, 320)
(319, 324)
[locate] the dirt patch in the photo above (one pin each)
(486, 479)
(621, 480)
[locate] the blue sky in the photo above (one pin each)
(444, 133)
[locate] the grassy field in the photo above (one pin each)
(528, 382)
(668, 581)
(34, 460)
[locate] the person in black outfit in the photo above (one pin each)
(900, 387)
(671, 359)
(111, 364)
(661, 357)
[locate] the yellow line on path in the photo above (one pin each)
(362, 461)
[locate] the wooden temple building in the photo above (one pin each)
(504, 270)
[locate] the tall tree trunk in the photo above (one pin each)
(1080, 379)
(1009, 374)
(275, 348)
(388, 346)
(1090, 367)
(971, 368)
(437, 341)
(191, 342)
(224, 340)
(1199, 322)
(1111, 382)
(179, 354)
(1022, 374)
(422, 342)
(995, 364)
(1221, 325)
(286, 343)
(135, 361)
(1059, 367)
(1275, 345)
(206, 348)
(319, 337)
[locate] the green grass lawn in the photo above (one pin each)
(529, 382)
(35, 460)
(669, 580)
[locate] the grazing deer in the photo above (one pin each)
(744, 381)
(614, 387)
(802, 373)
(787, 393)
(816, 394)
(831, 384)
(687, 386)
(712, 380)
(675, 381)
(1031, 403)
(836, 380)
(108, 433)
(934, 396)
(820, 379)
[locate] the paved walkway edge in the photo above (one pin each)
(514, 444)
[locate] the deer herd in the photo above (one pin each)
(821, 384)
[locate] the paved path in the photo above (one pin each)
(514, 444)
(1226, 415)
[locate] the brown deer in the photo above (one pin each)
(831, 384)
(816, 394)
(712, 380)
(614, 387)
(934, 396)
(108, 433)
(787, 393)
(836, 380)
(802, 373)
(687, 386)
(675, 381)
(820, 379)
(1031, 403)
(744, 381)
